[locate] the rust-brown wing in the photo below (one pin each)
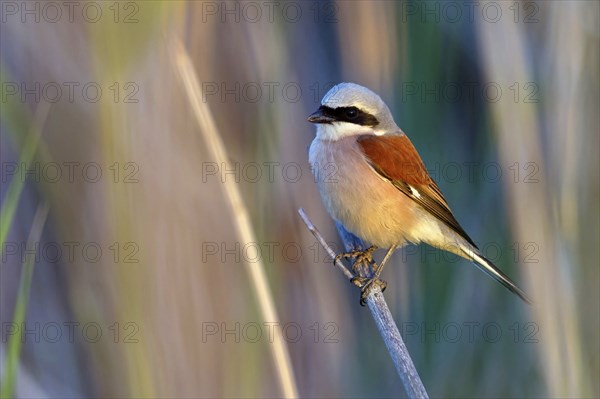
(395, 158)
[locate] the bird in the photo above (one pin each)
(378, 187)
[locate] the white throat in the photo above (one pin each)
(337, 130)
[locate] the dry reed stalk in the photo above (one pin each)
(240, 215)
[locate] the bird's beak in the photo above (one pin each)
(319, 117)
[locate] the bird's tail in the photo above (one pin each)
(491, 270)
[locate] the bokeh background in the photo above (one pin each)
(149, 282)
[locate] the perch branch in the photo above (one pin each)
(380, 312)
(324, 244)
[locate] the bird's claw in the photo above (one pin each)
(360, 257)
(359, 281)
(366, 284)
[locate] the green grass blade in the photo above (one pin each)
(9, 206)
(14, 342)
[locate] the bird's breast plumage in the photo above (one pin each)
(366, 203)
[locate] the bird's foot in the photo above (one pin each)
(360, 258)
(366, 271)
(366, 284)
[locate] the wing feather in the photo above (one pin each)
(395, 158)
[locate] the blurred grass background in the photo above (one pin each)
(171, 211)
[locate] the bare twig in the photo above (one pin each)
(324, 244)
(394, 343)
(381, 314)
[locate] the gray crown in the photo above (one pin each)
(353, 95)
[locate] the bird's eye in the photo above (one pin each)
(351, 113)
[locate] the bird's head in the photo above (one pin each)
(349, 109)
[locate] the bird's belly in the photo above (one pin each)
(365, 203)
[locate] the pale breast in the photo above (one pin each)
(357, 196)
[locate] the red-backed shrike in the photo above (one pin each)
(381, 190)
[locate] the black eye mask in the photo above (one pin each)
(350, 115)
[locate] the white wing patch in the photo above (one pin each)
(414, 191)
